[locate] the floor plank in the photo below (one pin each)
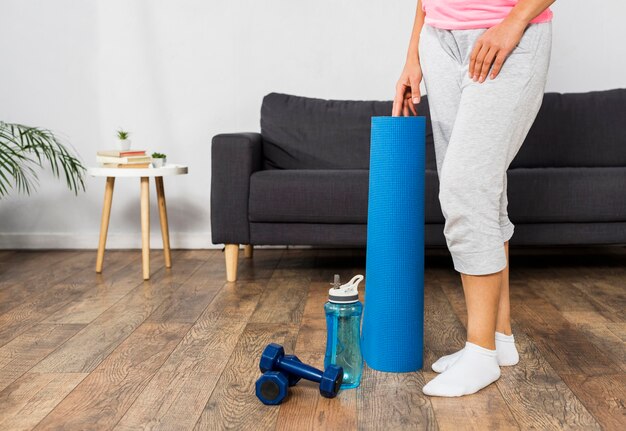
(21, 266)
(26, 350)
(572, 300)
(395, 400)
(603, 396)
(260, 267)
(305, 408)
(563, 345)
(529, 401)
(312, 334)
(444, 334)
(19, 290)
(85, 351)
(103, 397)
(284, 298)
(29, 399)
(233, 403)
(536, 395)
(76, 279)
(610, 295)
(190, 300)
(619, 329)
(606, 340)
(178, 393)
(108, 289)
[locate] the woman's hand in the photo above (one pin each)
(493, 47)
(408, 90)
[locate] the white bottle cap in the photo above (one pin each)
(345, 293)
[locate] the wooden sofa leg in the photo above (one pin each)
(248, 251)
(232, 254)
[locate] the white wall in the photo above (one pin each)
(177, 72)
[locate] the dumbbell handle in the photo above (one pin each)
(305, 371)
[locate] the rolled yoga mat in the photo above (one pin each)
(392, 337)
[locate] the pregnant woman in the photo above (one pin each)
(484, 64)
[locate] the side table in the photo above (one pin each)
(144, 174)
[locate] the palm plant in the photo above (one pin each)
(24, 148)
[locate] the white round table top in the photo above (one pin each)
(167, 170)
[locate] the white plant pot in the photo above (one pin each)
(123, 145)
(158, 162)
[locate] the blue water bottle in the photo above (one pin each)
(343, 322)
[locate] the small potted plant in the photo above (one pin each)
(123, 142)
(158, 160)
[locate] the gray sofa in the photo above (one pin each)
(304, 179)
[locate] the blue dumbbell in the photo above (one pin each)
(271, 387)
(292, 378)
(274, 359)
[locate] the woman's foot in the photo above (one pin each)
(507, 354)
(474, 369)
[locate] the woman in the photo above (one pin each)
(484, 64)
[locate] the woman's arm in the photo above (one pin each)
(496, 44)
(527, 10)
(408, 86)
(413, 52)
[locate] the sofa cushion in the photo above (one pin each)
(323, 196)
(567, 195)
(552, 195)
(536, 195)
(577, 130)
(308, 133)
(309, 196)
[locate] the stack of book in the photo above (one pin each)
(123, 159)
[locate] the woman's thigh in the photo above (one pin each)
(442, 79)
(491, 123)
(493, 117)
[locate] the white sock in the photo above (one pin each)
(475, 368)
(506, 352)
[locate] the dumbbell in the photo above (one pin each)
(271, 387)
(293, 379)
(273, 358)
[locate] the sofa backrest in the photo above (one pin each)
(309, 133)
(575, 129)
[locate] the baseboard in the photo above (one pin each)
(114, 241)
(76, 241)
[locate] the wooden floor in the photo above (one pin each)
(86, 351)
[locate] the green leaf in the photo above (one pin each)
(24, 148)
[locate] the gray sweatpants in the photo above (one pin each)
(478, 129)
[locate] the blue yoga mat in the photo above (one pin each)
(393, 317)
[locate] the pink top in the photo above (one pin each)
(466, 14)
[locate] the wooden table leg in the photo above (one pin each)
(165, 231)
(104, 222)
(145, 227)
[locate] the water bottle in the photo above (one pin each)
(343, 323)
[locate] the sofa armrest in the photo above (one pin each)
(234, 157)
